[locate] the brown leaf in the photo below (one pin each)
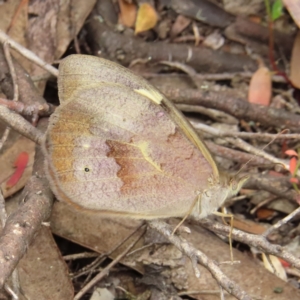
(127, 14)
(92, 230)
(179, 25)
(293, 6)
(295, 61)
(42, 271)
(248, 226)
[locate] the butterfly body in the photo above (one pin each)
(117, 146)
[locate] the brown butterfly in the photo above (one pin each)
(116, 145)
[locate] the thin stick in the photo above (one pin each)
(15, 85)
(105, 271)
(249, 148)
(247, 135)
(15, 274)
(94, 264)
(19, 124)
(27, 53)
(196, 255)
(281, 222)
(257, 241)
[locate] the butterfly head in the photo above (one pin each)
(211, 199)
(235, 184)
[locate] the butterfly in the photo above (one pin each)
(118, 146)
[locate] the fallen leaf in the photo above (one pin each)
(284, 263)
(293, 164)
(265, 213)
(275, 266)
(20, 164)
(179, 25)
(295, 61)
(146, 18)
(291, 152)
(102, 294)
(294, 180)
(293, 7)
(7, 160)
(248, 226)
(127, 14)
(260, 88)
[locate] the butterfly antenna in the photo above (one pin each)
(267, 145)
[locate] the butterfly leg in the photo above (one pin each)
(197, 199)
(224, 215)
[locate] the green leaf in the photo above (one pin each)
(277, 8)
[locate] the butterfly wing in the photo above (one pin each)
(112, 148)
(84, 70)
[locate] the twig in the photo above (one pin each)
(11, 292)
(15, 275)
(214, 114)
(281, 222)
(248, 135)
(28, 110)
(279, 186)
(211, 76)
(28, 54)
(194, 254)
(235, 106)
(22, 225)
(80, 255)
(4, 137)
(257, 241)
(105, 271)
(93, 265)
(251, 149)
(235, 155)
(19, 124)
(3, 214)
(15, 86)
(11, 70)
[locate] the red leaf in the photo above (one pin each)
(284, 263)
(291, 153)
(20, 165)
(293, 164)
(294, 180)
